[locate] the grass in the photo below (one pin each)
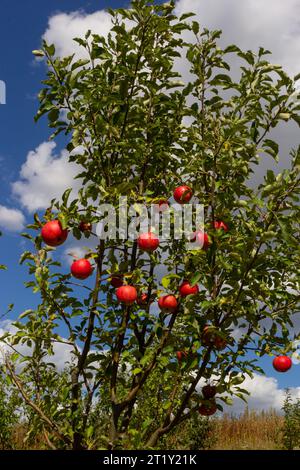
(250, 431)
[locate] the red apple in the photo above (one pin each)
(85, 226)
(193, 236)
(81, 268)
(203, 240)
(209, 391)
(116, 281)
(53, 234)
(186, 289)
(163, 205)
(282, 363)
(219, 224)
(142, 300)
(183, 194)
(168, 303)
(148, 241)
(181, 355)
(126, 294)
(208, 408)
(211, 337)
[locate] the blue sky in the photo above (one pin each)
(22, 25)
(21, 28)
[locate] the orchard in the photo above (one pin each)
(159, 330)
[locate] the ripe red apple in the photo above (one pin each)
(163, 205)
(53, 234)
(186, 289)
(168, 303)
(208, 408)
(282, 363)
(203, 240)
(85, 226)
(81, 268)
(219, 224)
(126, 294)
(148, 241)
(183, 194)
(116, 281)
(142, 299)
(181, 355)
(209, 391)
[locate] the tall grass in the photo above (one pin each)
(251, 430)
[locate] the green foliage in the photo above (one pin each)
(198, 434)
(124, 110)
(291, 427)
(10, 411)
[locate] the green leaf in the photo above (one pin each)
(38, 53)
(65, 196)
(26, 313)
(64, 220)
(195, 27)
(49, 49)
(231, 48)
(165, 282)
(196, 278)
(186, 15)
(53, 115)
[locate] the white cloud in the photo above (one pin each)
(11, 219)
(64, 27)
(272, 24)
(264, 394)
(62, 352)
(73, 252)
(264, 391)
(45, 176)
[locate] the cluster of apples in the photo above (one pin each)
(167, 303)
(182, 194)
(54, 235)
(209, 405)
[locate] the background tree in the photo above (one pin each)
(291, 426)
(135, 129)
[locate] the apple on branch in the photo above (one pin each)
(183, 194)
(116, 281)
(282, 363)
(148, 242)
(53, 234)
(81, 268)
(168, 303)
(126, 294)
(85, 226)
(186, 289)
(208, 408)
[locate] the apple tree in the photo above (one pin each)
(155, 105)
